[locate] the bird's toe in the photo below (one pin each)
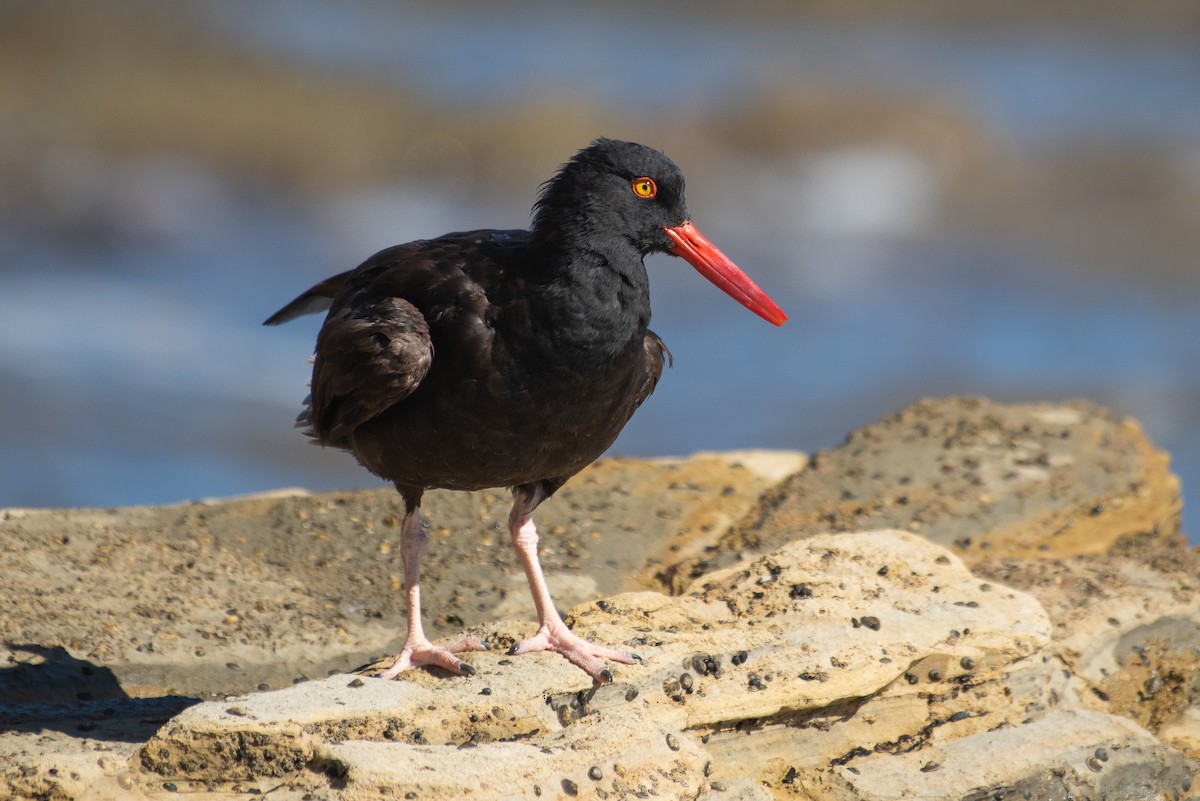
(588, 656)
(424, 652)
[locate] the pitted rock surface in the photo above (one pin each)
(982, 478)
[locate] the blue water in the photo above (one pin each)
(1029, 85)
(134, 369)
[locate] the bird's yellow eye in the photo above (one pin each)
(645, 187)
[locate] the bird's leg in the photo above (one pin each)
(552, 633)
(418, 650)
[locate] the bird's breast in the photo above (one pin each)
(502, 416)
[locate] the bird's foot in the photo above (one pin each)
(422, 652)
(584, 654)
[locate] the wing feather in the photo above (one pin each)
(318, 298)
(371, 354)
(656, 354)
(376, 345)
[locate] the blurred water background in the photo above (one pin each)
(1001, 202)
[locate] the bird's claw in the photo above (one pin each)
(586, 655)
(423, 652)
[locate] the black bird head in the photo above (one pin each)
(621, 188)
(623, 194)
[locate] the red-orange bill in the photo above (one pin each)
(692, 247)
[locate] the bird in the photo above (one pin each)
(507, 359)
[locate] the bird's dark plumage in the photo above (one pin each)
(507, 358)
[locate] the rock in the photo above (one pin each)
(1035, 480)
(1065, 754)
(53, 765)
(812, 636)
(222, 596)
(1128, 630)
(400, 737)
(853, 665)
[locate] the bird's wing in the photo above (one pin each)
(656, 353)
(372, 352)
(318, 298)
(376, 346)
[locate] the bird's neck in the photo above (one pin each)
(591, 300)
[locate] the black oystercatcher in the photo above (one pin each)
(507, 359)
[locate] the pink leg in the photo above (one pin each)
(552, 633)
(418, 650)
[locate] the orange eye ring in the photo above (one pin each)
(645, 187)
